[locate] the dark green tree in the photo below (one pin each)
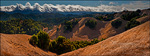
(20, 26)
(68, 25)
(34, 40)
(116, 23)
(91, 24)
(44, 40)
(100, 18)
(60, 39)
(138, 10)
(94, 41)
(129, 15)
(132, 23)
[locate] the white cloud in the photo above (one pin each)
(111, 3)
(136, 5)
(73, 8)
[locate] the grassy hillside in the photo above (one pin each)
(133, 42)
(20, 26)
(100, 26)
(18, 45)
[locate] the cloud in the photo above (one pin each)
(111, 3)
(76, 8)
(136, 5)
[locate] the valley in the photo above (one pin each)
(123, 33)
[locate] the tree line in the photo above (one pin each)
(20, 26)
(60, 44)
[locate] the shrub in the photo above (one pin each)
(102, 39)
(68, 25)
(60, 44)
(34, 40)
(75, 22)
(107, 17)
(91, 23)
(138, 10)
(128, 16)
(132, 23)
(44, 40)
(116, 23)
(100, 18)
(94, 41)
(60, 39)
(53, 46)
(67, 46)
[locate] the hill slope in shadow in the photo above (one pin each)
(133, 42)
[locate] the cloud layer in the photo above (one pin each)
(75, 8)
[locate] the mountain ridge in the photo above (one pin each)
(37, 8)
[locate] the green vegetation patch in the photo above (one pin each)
(59, 45)
(41, 40)
(34, 40)
(132, 23)
(129, 15)
(62, 45)
(91, 24)
(106, 17)
(20, 26)
(69, 25)
(116, 23)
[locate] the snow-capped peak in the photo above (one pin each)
(68, 8)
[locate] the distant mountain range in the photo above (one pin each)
(36, 8)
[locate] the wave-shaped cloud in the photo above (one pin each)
(74, 8)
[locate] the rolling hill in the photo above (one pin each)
(124, 44)
(103, 29)
(18, 45)
(133, 42)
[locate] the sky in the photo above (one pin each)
(83, 3)
(103, 5)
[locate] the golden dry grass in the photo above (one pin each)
(133, 42)
(103, 29)
(143, 19)
(18, 45)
